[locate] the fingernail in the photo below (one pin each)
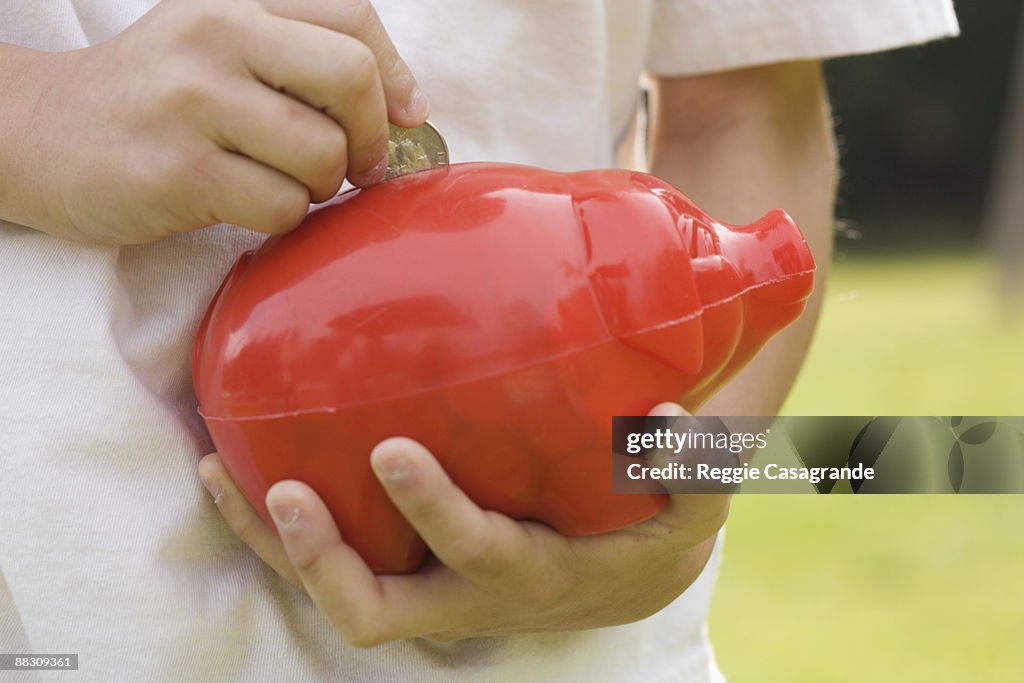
(286, 515)
(391, 465)
(214, 488)
(667, 410)
(418, 105)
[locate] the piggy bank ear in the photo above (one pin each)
(639, 269)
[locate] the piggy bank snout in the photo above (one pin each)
(769, 249)
(766, 250)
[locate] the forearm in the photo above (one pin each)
(740, 144)
(26, 76)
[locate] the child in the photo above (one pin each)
(121, 138)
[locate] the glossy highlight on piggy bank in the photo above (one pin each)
(500, 315)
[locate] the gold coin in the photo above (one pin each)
(411, 150)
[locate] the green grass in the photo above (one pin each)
(913, 335)
(901, 588)
(847, 588)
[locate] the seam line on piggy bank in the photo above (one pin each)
(328, 409)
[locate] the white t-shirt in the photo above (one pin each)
(108, 544)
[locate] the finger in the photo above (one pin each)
(406, 103)
(435, 600)
(697, 515)
(333, 574)
(667, 410)
(365, 610)
(477, 544)
(333, 73)
(663, 457)
(243, 519)
(311, 148)
(245, 192)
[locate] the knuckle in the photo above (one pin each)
(557, 580)
(478, 558)
(174, 169)
(367, 151)
(545, 590)
(361, 15)
(379, 138)
(330, 154)
(246, 527)
(309, 565)
(184, 92)
(285, 208)
(205, 21)
(151, 181)
(360, 69)
(293, 112)
(190, 170)
(395, 70)
(363, 635)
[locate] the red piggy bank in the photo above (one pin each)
(500, 315)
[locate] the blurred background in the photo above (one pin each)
(924, 315)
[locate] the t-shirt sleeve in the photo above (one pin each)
(698, 36)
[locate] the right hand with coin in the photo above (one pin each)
(234, 111)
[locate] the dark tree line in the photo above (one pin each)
(920, 128)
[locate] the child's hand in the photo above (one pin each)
(237, 111)
(490, 575)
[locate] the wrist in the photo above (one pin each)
(28, 153)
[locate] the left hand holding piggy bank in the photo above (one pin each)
(489, 574)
